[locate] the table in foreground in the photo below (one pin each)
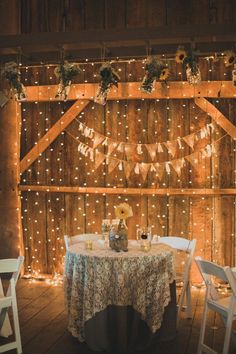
(116, 301)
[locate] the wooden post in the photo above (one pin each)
(10, 216)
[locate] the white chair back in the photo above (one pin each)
(188, 246)
(9, 300)
(226, 306)
(71, 240)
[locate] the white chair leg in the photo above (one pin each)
(227, 335)
(188, 301)
(180, 303)
(16, 326)
(202, 331)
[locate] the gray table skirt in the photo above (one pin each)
(120, 330)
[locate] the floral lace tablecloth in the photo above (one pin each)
(94, 279)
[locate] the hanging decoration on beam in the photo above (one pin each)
(108, 78)
(229, 58)
(11, 73)
(154, 70)
(191, 65)
(143, 168)
(153, 149)
(65, 72)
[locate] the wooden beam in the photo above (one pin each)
(162, 34)
(10, 205)
(52, 134)
(218, 117)
(131, 90)
(129, 191)
(114, 52)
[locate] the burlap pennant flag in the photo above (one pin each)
(177, 166)
(128, 167)
(130, 151)
(171, 147)
(192, 159)
(98, 139)
(159, 170)
(113, 163)
(151, 148)
(111, 147)
(167, 167)
(144, 168)
(121, 147)
(159, 147)
(189, 139)
(99, 158)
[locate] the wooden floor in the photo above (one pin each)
(43, 322)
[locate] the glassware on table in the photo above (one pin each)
(144, 238)
(106, 224)
(88, 245)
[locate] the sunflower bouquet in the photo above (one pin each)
(11, 73)
(65, 72)
(190, 63)
(118, 236)
(108, 78)
(123, 211)
(229, 58)
(154, 70)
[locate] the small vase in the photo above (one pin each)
(118, 237)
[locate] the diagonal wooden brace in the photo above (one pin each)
(218, 117)
(52, 134)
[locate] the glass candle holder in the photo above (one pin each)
(106, 224)
(145, 245)
(88, 245)
(144, 233)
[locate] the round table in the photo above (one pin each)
(108, 294)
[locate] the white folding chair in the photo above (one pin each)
(9, 300)
(183, 276)
(71, 240)
(226, 306)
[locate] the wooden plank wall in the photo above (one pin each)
(48, 216)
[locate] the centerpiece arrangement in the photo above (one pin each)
(118, 236)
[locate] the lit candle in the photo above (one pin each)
(89, 245)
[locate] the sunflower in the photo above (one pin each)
(123, 211)
(165, 72)
(229, 58)
(180, 55)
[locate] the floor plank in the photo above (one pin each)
(43, 323)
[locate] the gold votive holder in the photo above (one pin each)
(88, 245)
(145, 245)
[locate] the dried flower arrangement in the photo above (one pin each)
(108, 78)
(65, 72)
(11, 73)
(154, 70)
